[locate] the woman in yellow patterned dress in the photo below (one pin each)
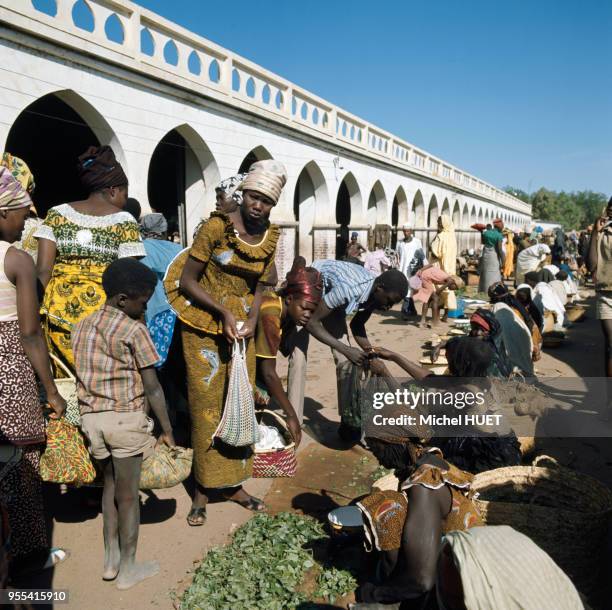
(77, 241)
(213, 287)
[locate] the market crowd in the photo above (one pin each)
(97, 291)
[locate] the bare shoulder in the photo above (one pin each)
(18, 261)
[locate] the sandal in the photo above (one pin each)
(253, 503)
(196, 517)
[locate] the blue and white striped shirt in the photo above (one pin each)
(345, 285)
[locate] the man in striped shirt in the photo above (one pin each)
(348, 289)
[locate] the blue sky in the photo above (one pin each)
(517, 92)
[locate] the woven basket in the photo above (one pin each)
(567, 514)
(66, 386)
(275, 463)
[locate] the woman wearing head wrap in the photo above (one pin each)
(279, 316)
(444, 255)
(558, 248)
(23, 358)
(78, 241)
(21, 172)
(212, 287)
(492, 257)
(521, 335)
(498, 567)
(405, 525)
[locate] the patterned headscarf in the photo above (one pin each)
(98, 169)
(229, 186)
(20, 170)
(305, 283)
(12, 195)
(267, 177)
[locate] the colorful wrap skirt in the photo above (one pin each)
(74, 291)
(208, 359)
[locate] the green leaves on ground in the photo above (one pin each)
(263, 568)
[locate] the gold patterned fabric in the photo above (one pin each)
(233, 269)
(207, 359)
(231, 273)
(385, 512)
(85, 246)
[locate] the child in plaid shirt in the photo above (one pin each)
(115, 359)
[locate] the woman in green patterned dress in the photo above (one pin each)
(213, 287)
(77, 242)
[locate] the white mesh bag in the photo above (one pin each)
(238, 426)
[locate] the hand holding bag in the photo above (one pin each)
(238, 426)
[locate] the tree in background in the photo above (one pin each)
(575, 210)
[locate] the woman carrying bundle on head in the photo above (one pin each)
(216, 288)
(492, 257)
(77, 241)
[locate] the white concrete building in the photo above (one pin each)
(182, 113)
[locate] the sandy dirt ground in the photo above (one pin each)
(165, 535)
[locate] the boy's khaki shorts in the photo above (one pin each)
(118, 434)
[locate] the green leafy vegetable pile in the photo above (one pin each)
(264, 568)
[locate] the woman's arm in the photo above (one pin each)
(500, 252)
(20, 270)
(47, 251)
(190, 285)
(248, 328)
(267, 368)
(413, 369)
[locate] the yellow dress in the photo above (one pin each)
(233, 269)
(85, 246)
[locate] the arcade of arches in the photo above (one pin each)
(182, 171)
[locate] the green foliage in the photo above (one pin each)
(263, 567)
(575, 210)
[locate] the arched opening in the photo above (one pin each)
(456, 218)
(348, 206)
(465, 226)
(445, 208)
(376, 217)
(433, 214)
(418, 207)
(72, 125)
(259, 153)
(188, 196)
(310, 192)
(399, 214)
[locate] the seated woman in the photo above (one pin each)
(479, 448)
(279, 315)
(484, 326)
(434, 282)
(486, 567)
(406, 525)
(524, 295)
(545, 296)
(521, 334)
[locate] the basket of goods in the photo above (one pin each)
(575, 313)
(565, 513)
(275, 451)
(66, 386)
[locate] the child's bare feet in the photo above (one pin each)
(137, 572)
